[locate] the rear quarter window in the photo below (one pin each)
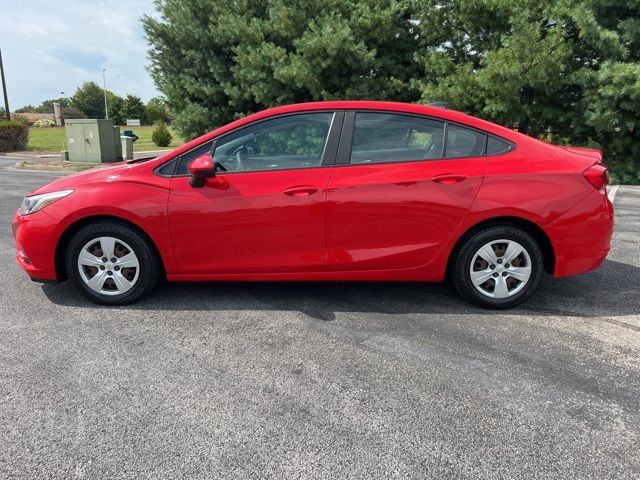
(496, 146)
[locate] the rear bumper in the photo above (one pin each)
(581, 237)
(35, 238)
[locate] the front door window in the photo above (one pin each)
(284, 143)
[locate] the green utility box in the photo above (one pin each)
(93, 140)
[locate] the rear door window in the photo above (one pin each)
(464, 142)
(391, 137)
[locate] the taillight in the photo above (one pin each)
(597, 175)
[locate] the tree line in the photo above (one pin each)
(567, 71)
(88, 102)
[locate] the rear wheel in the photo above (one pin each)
(498, 267)
(111, 263)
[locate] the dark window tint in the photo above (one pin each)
(464, 142)
(292, 141)
(389, 137)
(495, 146)
(191, 155)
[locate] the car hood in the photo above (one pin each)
(101, 173)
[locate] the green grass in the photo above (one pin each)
(43, 139)
(144, 143)
(53, 139)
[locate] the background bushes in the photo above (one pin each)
(161, 136)
(13, 136)
(44, 122)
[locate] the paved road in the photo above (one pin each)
(321, 380)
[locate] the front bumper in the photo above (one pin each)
(581, 237)
(36, 240)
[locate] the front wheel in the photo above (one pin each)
(111, 263)
(498, 267)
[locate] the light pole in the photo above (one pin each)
(4, 90)
(104, 87)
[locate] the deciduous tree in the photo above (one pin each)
(89, 98)
(156, 111)
(132, 107)
(114, 107)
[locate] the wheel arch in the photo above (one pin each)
(73, 228)
(533, 229)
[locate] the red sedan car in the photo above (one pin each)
(328, 191)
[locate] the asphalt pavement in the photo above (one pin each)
(321, 380)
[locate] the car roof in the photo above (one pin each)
(411, 108)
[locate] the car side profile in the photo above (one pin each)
(341, 190)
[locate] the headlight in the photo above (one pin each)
(38, 202)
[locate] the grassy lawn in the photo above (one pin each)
(46, 139)
(54, 139)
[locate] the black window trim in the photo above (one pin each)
(346, 139)
(445, 141)
(328, 153)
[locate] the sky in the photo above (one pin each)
(49, 47)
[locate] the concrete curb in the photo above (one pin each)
(27, 156)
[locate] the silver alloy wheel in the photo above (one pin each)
(500, 268)
(108, 266)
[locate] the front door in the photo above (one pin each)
(264, 209)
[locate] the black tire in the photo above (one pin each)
(148, 272)
(461, 266)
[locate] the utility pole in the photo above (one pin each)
(4, 89)
(104, 87)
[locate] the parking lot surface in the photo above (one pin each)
(321, 380)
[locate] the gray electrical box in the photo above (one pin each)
(92, 140)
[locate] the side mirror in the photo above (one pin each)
(200, 169)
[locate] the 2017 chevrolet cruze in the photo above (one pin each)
(328, 191)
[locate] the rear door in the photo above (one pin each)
(401, 186)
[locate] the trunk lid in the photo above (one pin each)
(587, 152)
